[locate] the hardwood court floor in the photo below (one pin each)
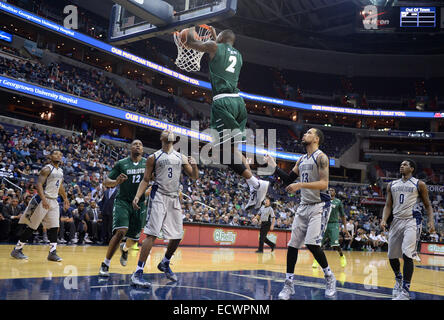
(366, 274)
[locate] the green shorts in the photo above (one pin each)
(124, 216)
(332, 234)
(229, 113)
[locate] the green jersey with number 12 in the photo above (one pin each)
(225, 68)
(134, 172)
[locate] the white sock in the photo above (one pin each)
(289, 276)
(253, 182)
(52, 246)
(19, 245)
(327, 272)
(125, 248)
(107, 262)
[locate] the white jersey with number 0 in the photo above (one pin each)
(406, 200)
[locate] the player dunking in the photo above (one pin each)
(127, 221)
(44, 208)
(313, 212)
(333, 227)
(164, 208)
(228, 112)
(404, 197)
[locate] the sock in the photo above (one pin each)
(52, 246)
(289, 276)
(327, 272)
(19, 245)
(406, 285)
(253, 182)
(398, 275)
(107, 262)
(125, 248)
(140, 266)
(165, 259)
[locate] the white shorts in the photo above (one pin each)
(309, 224)
(35, 214)
(403, 238)
(164, 217)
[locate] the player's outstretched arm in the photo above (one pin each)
(143, 185)
(193, 43)
(190, 167)
(387, 207)
(287, 178)
(424, 194)
(43, 175)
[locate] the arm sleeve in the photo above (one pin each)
(286, 178)
(115, 172)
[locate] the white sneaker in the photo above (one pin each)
(287, 290)
(261, 193)
(403, 295)
(253, 199)
(330, 287)
(87, 240)
(397, 288)
(416, 257)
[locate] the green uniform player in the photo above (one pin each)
(127, 221)
(124, 215)
(334, 226)
(228, 111)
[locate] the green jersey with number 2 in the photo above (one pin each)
(225, 68)
(134, 172)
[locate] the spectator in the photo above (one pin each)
(95, 222)
(66, 226)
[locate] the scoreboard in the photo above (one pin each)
(417, 17)
(400, 19)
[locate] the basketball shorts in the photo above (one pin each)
(164, 217)
(228, 119)
(124, 216)
(403, 238)
(309, 224)
(332, 234)
(35, 214)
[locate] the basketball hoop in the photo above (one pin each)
(189, 59)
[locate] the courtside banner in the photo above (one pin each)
(432, 248)
(107, 110)
(52, 26)
(209, 235)
(96, 107)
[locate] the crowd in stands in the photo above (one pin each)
(218, 196)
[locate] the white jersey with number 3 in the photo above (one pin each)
(167, 170)
(53, 182)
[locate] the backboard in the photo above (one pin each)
(134, 20)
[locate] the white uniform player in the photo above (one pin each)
(164, 214)
(312, 215)
(35, 213)
(44, 208)
(404, 198)
(405, 229)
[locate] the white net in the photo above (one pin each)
(189, 59)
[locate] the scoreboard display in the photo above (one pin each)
(400, 19)
(418, 17)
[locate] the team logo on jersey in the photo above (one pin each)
(224, 238)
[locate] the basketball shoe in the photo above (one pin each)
(18, 254)
(165, 267)
(403, 295)
(343, 261)
(52, 256)
(287, 291)
(315, 264)
(330, 287)
(124, 256)
(138, 280)
(398, 287)
(104, 270)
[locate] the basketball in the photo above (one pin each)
(184, 34)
